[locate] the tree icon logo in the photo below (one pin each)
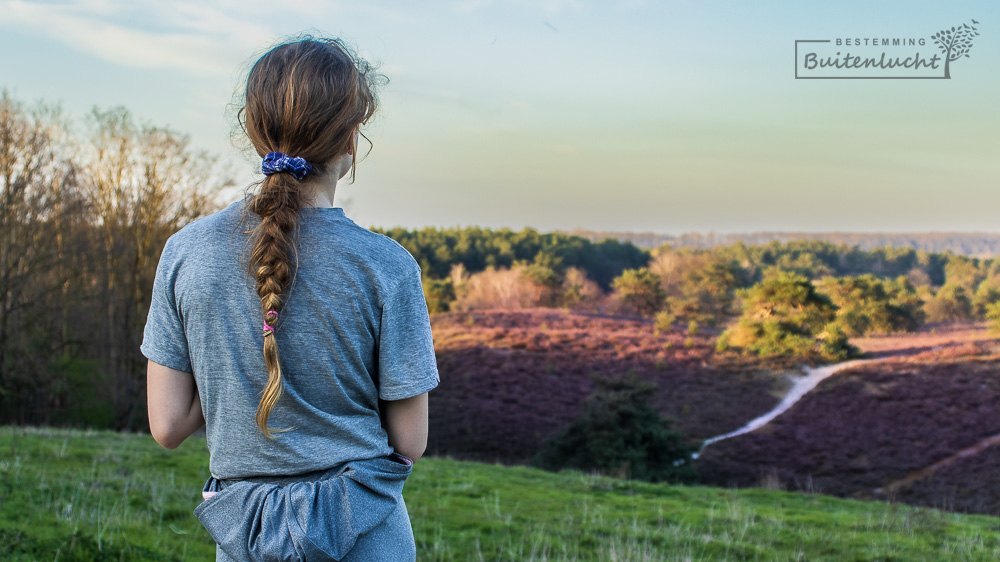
(955, 43)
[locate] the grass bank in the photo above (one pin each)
(86, 495)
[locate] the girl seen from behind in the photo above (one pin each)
(300, 340)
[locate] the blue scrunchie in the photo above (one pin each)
(276, 162)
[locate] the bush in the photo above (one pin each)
(506, 288)
(993, 316)
(869, 305)
(619, 433)
(578, 291)
(951, 303)
(784, 316)
(665, 321)
(439, 294)
(641, 290)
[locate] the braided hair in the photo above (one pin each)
(304, 98)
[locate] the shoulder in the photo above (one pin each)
(387, 252)
(204, 239)
(194, 233)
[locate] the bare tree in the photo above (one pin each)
(34, 182)
(144, 184)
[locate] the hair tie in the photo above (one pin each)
(276, 162)
(269, 329)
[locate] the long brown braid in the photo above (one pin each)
(304, 98)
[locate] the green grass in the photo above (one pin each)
(85, 495)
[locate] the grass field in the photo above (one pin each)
(84, 495)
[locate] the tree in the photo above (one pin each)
(993, 316)
(950, 304)
(640, 288)
(784, 316)
(869, 305)
(987, 293)
(620, 433)
(546, 270)
(143, 184)
(578, 291)
(37, 185)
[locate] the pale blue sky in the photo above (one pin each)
(668, 117)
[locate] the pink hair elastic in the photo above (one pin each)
(269, 329)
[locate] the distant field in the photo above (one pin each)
(74, 495)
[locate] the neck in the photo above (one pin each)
(322, 196)
(324, 187)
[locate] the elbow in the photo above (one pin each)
(414, 451)
(166, 436)
(411, 446)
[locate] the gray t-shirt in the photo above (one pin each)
(354, 329)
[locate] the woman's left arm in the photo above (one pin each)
(173, 403)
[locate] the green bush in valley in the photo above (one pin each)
(834, 344)
(784, 316)
(986, 294)
(619, 433)
(640, 288)
(869, 305)
(993, 315)
(951, 303)
(546, 271)
(665, 321)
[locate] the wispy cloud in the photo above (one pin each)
(181, 35)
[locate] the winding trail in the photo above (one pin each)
(800, 387)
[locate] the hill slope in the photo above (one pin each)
(76, 495)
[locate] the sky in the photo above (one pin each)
(643, 116)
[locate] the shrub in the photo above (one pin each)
(993, 316)
(986, 294)
(620, 433)
(665, 321)
(507, 288)
(700, 286)
(439, 294)
(641, 290)
(869, 305)
(578, 291)
(784, 316)
(951, 303)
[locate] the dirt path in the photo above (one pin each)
(800, 387)
(929, 470)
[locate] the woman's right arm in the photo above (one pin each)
(406, 425)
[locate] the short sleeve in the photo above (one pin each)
(407, 365)
(164, 340)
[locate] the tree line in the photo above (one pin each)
(973, 244)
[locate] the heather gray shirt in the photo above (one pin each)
(354, 328)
